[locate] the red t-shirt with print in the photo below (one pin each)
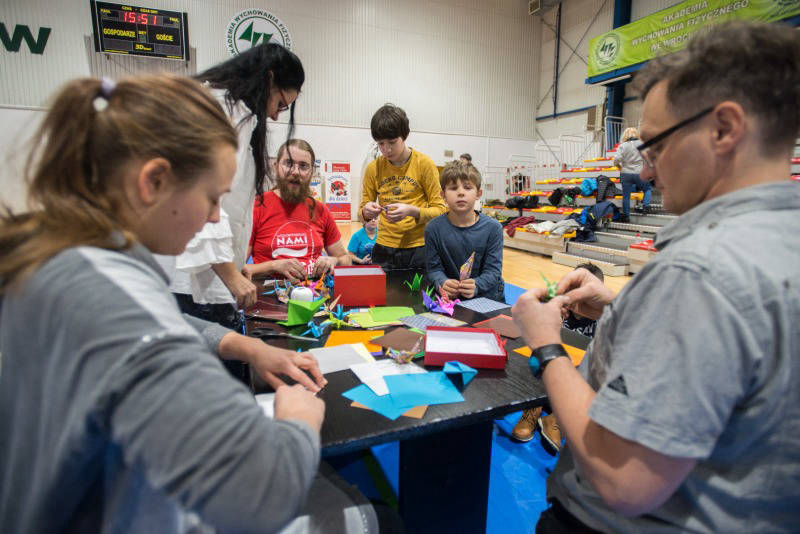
(282, 230)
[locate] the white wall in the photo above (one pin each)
(464, 70)
(17, 127)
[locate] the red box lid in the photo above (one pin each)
(476, 347)
(359, 285)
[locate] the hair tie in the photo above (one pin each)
(107, 86)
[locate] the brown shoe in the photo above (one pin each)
(551, 433)
(524, 429)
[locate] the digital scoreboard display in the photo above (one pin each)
(140, 31)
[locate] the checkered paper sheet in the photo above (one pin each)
(482, 305)
(424, 320)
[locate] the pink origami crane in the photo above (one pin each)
(441, 305)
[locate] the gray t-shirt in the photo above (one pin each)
(115, 416)
(448, 247)
(628, 158)
(699, 357)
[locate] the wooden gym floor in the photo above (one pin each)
(520, 268)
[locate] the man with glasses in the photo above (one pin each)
(685, 413)
(291, 230)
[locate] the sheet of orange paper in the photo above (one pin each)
(417, 412)
(575, 353)
(346, 337)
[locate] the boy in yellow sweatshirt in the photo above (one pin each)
(402, 188)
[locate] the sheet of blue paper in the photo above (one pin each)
(384, 405)
(427, 388)
(405, 392)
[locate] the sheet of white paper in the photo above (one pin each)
(267, 403)
(372, 373)
(341, 357)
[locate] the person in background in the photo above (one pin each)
(683, 415)
(466, 158)
(532, 417)
(401, 187)
(207, 279)
(362, 242)
(452, 238)
(291, 230)
(142, 423)
(629, 161)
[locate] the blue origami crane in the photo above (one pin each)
(315, 329)
(340, 314)
(454, 368)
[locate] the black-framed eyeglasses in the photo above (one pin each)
(282, 105)
(644, 148)
(302, 166)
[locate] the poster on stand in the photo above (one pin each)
(337, 189)
(316, 183)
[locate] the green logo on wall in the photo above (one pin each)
(252, 27)
(21, 31)
(607, 50)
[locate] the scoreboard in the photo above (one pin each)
(141, 31)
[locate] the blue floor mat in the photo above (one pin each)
(518, 474)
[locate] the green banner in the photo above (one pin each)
(669, 29)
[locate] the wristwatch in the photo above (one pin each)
(545, 354)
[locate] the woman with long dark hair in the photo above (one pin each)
(207, 279)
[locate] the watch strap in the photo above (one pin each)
(544, 355)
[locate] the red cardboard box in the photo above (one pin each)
(360, 285)
(476, 347)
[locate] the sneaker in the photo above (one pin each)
(551, 433)
(526, 426)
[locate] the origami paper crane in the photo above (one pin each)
(466, 269)
(315, 329)
(320, 288)
(281, 289)
(301, 312)
(441, 305)
(552, 287)
(340, 314)
(405, 356)
(339, 319)
(415, 284)
(457, 369)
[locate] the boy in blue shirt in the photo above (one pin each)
(450, 239)
(362, 242)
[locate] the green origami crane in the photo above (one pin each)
(301, 312)
(415, 284)
(552, 287)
